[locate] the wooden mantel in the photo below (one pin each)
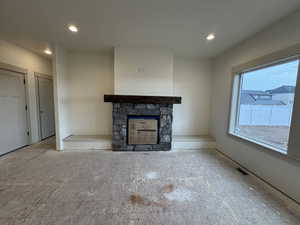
(142, 99)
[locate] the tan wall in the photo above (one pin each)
(192, 81)
(90, 76)
(274, 168)
(143, 71)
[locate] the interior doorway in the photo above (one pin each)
(45, 102)
(14, 131)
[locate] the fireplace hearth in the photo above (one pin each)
(142, 123)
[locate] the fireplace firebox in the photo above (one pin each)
(143, 130)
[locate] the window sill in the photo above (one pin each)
(261, 144)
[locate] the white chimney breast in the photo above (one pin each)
(143, 71)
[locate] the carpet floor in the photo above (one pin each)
(41, 186)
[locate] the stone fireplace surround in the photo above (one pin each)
(125, 106)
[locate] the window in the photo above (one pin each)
(262, 104)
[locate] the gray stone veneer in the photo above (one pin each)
(121, 111)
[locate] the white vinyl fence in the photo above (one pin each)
(265, 115)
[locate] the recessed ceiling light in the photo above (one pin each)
(48, 51)
(210, 37)
(73, 28)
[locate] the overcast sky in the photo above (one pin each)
(271, 77)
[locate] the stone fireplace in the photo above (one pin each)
(142, 123)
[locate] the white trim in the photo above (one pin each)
(260, 143)
(290, 52)
(37, 91)
(270, 64)
(11, 72)
(234, 102)
(37, 95)
(289, 202)
(12, 68)
(293, 150)
(235, 105)
(45, 76)
(38, 105)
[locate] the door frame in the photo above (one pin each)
(24, 73)
(36, 77)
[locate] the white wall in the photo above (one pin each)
(192, 81)
(90, 76)
(83, 79)
(274, 168)
(61, 93)
(265, 115)
(20, 57)
(143, 71)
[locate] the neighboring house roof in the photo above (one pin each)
(247, 98)
(251, 92)
(285, 89)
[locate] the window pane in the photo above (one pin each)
(266, 103)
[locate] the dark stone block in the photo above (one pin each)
(142, 147)
(129, 148)
(165, 110)
(124, 131)
(162, 147)
(120, 117)
(152, 106)
(165, 139)
(140, 106)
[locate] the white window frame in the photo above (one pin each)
(287, 55)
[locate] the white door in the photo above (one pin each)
(13, 115)
(46, 107)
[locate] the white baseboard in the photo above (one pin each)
(101, 142)
(289, 202)
(193, 143)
